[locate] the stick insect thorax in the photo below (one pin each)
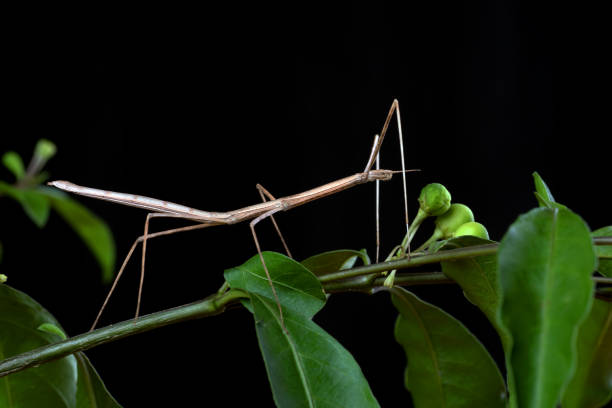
(230, 217)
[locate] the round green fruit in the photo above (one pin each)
(450, 221)
(434, 199)
(472, 228)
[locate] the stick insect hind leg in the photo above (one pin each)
(265, 193)
(146, 236)
(143, 238)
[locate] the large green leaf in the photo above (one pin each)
(306, 366)
(545, 264)
(91, 391)
(91, 228)
(297, 288)
(50, 385)
(479, 279)
(447, 366)
(477, 276)
(592, 382)
(34, 203)
(604, 252)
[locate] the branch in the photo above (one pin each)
(414, 261)
(210, 306)
(354, 279)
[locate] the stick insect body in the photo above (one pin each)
(255, 213)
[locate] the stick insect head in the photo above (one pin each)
(380, 174)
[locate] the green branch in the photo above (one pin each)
(208, 307)
(342, 281)
(413, 261)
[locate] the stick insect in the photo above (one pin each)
(255, 213)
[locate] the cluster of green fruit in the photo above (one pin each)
(452, 220)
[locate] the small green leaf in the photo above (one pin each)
(91, 228)
(51, 328)
(334, 261)
(34, 203)
(50, 385)
(447, 366)
(306, 367)
(545, 264)
(3, 278)
(604, 252)
(91, 391)
(543, 194)
(14, 163)
(592, 382)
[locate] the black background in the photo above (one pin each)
(197, 106)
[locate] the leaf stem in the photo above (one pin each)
(212, 305)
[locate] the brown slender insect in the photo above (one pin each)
(255, 213)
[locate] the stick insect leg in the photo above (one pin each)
(129, 255)
(374, 156)
(265, 193)
(252, 225)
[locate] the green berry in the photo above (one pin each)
(434, 199)
(457, 215)
(3, 278)
(475, 229)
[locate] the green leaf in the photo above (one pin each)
(592, 385)
(543, 194)
(53, 329)
(447, 366)
(50, 385)
(306, 367)
(14, 163)
(545, 264)
(334, 261)
(91, 228)
(91, 391)
(297, 288)
(604, 252)
(34, 203)
(479, 279)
